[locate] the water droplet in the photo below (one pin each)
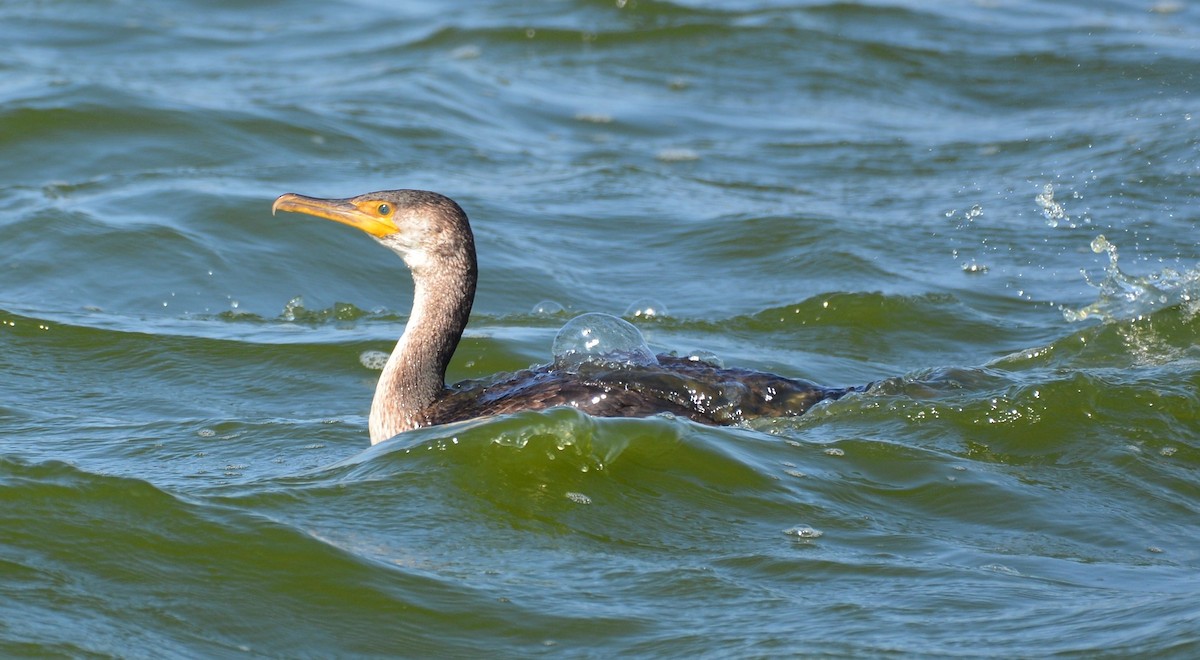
(1054, 212)
(293, 306)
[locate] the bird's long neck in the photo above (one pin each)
(415, 374)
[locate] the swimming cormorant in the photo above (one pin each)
(431, 233)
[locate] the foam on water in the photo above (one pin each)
(374, 360)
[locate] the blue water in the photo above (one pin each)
(986, 209)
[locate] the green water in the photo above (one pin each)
(987, 210)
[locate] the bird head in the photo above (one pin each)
(418, 225)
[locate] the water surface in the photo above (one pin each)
(988, 209)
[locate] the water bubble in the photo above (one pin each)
(547, 308)
(804, 532)
(579, 498)
(834, 451)
(705, 357)
(600, 338)
(645, 308)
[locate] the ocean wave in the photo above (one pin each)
(79, 535)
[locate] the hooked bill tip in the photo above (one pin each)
(275, 204)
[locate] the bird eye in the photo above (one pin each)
(384, 209)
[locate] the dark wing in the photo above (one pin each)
(696, 390)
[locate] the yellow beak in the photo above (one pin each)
(361, 214)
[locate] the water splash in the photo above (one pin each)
(1054, 211)
(600, 338)
(804, 532)
(1124, 296)
(295, 312)
(974, 267)
(967, 218)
